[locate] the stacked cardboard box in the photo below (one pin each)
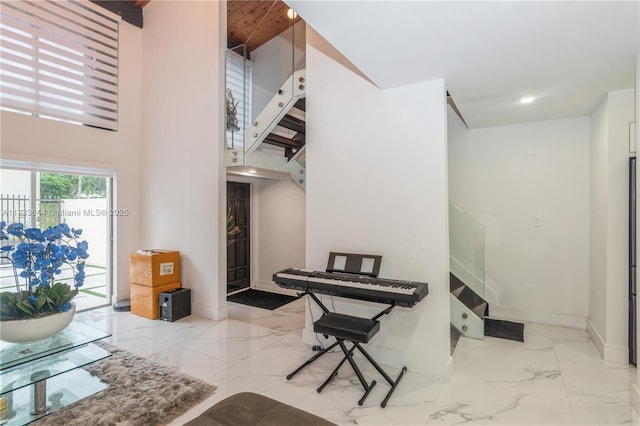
(152, 272)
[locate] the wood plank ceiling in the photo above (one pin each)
(255, 22)
(249, 22)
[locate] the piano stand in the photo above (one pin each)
(355, 330)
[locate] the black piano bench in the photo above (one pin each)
(347, 327)
(355, 330)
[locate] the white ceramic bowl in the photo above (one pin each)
(32, 329)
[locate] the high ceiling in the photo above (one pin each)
(564, 54)
(256, 22)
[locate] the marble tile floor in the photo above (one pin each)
(555, 378)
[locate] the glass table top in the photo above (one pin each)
(75, 335)
(43, 368)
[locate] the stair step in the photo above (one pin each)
(472, 301)
(504, 329)
(455, 285)
(293, 123)
(281, 141)
(299, 137)
(301, 104)
(480, 310)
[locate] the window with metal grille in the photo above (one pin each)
(59, 60)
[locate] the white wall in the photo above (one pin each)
(278, 240)
(597, 223)
(183, 175)
(507, 178)
(37, 140)
(635, 392)
(621, 113)
(609, 226)
(377, 183)
(15, 182)
(273, 63)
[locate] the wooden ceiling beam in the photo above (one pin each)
(127, 10)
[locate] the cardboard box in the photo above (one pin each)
(145, 299)
(154, 267)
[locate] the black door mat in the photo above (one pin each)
(261, 299)
(504, 329)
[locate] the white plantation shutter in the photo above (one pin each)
(59, 59)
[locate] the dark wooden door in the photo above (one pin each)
(238, 260)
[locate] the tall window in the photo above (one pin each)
(59, 59)
(39, 196)
(238, 98)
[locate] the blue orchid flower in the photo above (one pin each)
(65, 230)
(39, 256)
(34, 234)
(16, 229)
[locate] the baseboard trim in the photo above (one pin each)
(608, 352)
(209, 312)
(597, 339)
(549, 318)
(616, 353)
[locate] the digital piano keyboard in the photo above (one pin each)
(382, 290)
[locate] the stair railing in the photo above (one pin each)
(467, 249)
(292, 90)
(466, 263)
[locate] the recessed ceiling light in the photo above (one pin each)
(291, 13)
(527, 100)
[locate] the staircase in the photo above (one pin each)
(468, 308)
(275, 140)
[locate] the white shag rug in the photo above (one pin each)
(140, 393)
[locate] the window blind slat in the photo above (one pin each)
(59, 59)
(15, 41)
(46, 69)
(78, 118)
(77, 97)
(23, 76)
(57, 102)
(17, 28)
(238, 75)
(86, 67)
(44, 16)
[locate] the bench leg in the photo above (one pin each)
(384, 374)
(348, 355)
(310, 360)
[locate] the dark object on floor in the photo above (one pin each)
(175, 304)
(122, 305)
(249, 408)
(504, 329)
(261, 299)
